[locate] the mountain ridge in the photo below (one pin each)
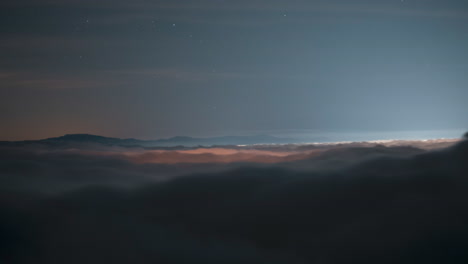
(165, 142)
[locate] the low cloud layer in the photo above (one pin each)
(371, 204)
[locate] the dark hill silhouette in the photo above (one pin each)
(173, 141)
(88, 138)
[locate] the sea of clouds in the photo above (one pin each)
(357, 204)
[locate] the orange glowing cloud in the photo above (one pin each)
(212, 155)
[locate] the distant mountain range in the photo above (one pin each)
(74, 139)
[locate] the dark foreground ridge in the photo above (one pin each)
(385, 210)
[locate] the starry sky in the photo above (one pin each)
(152, 69)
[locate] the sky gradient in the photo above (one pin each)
(152, 69)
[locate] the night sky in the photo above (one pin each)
(151, 69)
